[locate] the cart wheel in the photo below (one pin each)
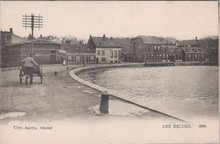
(20, 80)
(41, 79)
(26, 80)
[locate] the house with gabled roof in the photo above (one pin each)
(106, 49)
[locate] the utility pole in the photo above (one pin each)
(32, 21)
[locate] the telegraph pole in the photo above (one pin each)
(32, 21)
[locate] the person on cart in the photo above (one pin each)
(28, 66)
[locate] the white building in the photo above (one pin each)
(108, 55)
(107, 51)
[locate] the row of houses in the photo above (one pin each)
(106, 50)
(154, 49)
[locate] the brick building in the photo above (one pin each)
(154, 49)
(194, 54)
(192, 51)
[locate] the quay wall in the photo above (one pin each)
(121, 96)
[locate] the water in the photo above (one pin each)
(190, 91)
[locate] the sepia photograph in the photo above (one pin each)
(109, 72)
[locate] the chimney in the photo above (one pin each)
(11, 30)
(104, 37)
(196, 38)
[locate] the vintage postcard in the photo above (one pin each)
(109, 72)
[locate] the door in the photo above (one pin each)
(53, 56)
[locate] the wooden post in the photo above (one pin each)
(104, 103)
(55, 73)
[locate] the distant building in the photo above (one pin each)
(211, 46)
(194, 54)
(203, 50)
(189, 43)
(106, 49)
(45, 52)
(213, 55)
(8, 38)
(79, 53)
(126, 52)
(153, 49)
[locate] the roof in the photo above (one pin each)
(189, 42)
(70, 48)
(123, 42)
(157, 40)
(186, 42)
(76, 48)
(41, 41)
(193, 50)
(151, 39)
(104, 42)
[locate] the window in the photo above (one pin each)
(103, 53)
(103, 59)
(116, 54)
(158, 48)
(92, 58)
(177, 56)
(195, 55)
(98, 53)
(146, 57)
(111, 53)
(69, 58)
(73, 58)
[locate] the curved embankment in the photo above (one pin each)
(75, 72)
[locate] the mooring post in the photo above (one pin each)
(104, 103)
(55, 73)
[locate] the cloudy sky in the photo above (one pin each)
(182, 20)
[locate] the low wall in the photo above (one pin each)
(121, 96)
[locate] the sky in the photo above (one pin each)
(180, 19)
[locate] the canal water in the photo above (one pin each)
(189, 91)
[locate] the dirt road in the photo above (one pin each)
(58, 97)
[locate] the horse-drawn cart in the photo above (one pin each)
(37, 72)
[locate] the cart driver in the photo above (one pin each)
(29, 64)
